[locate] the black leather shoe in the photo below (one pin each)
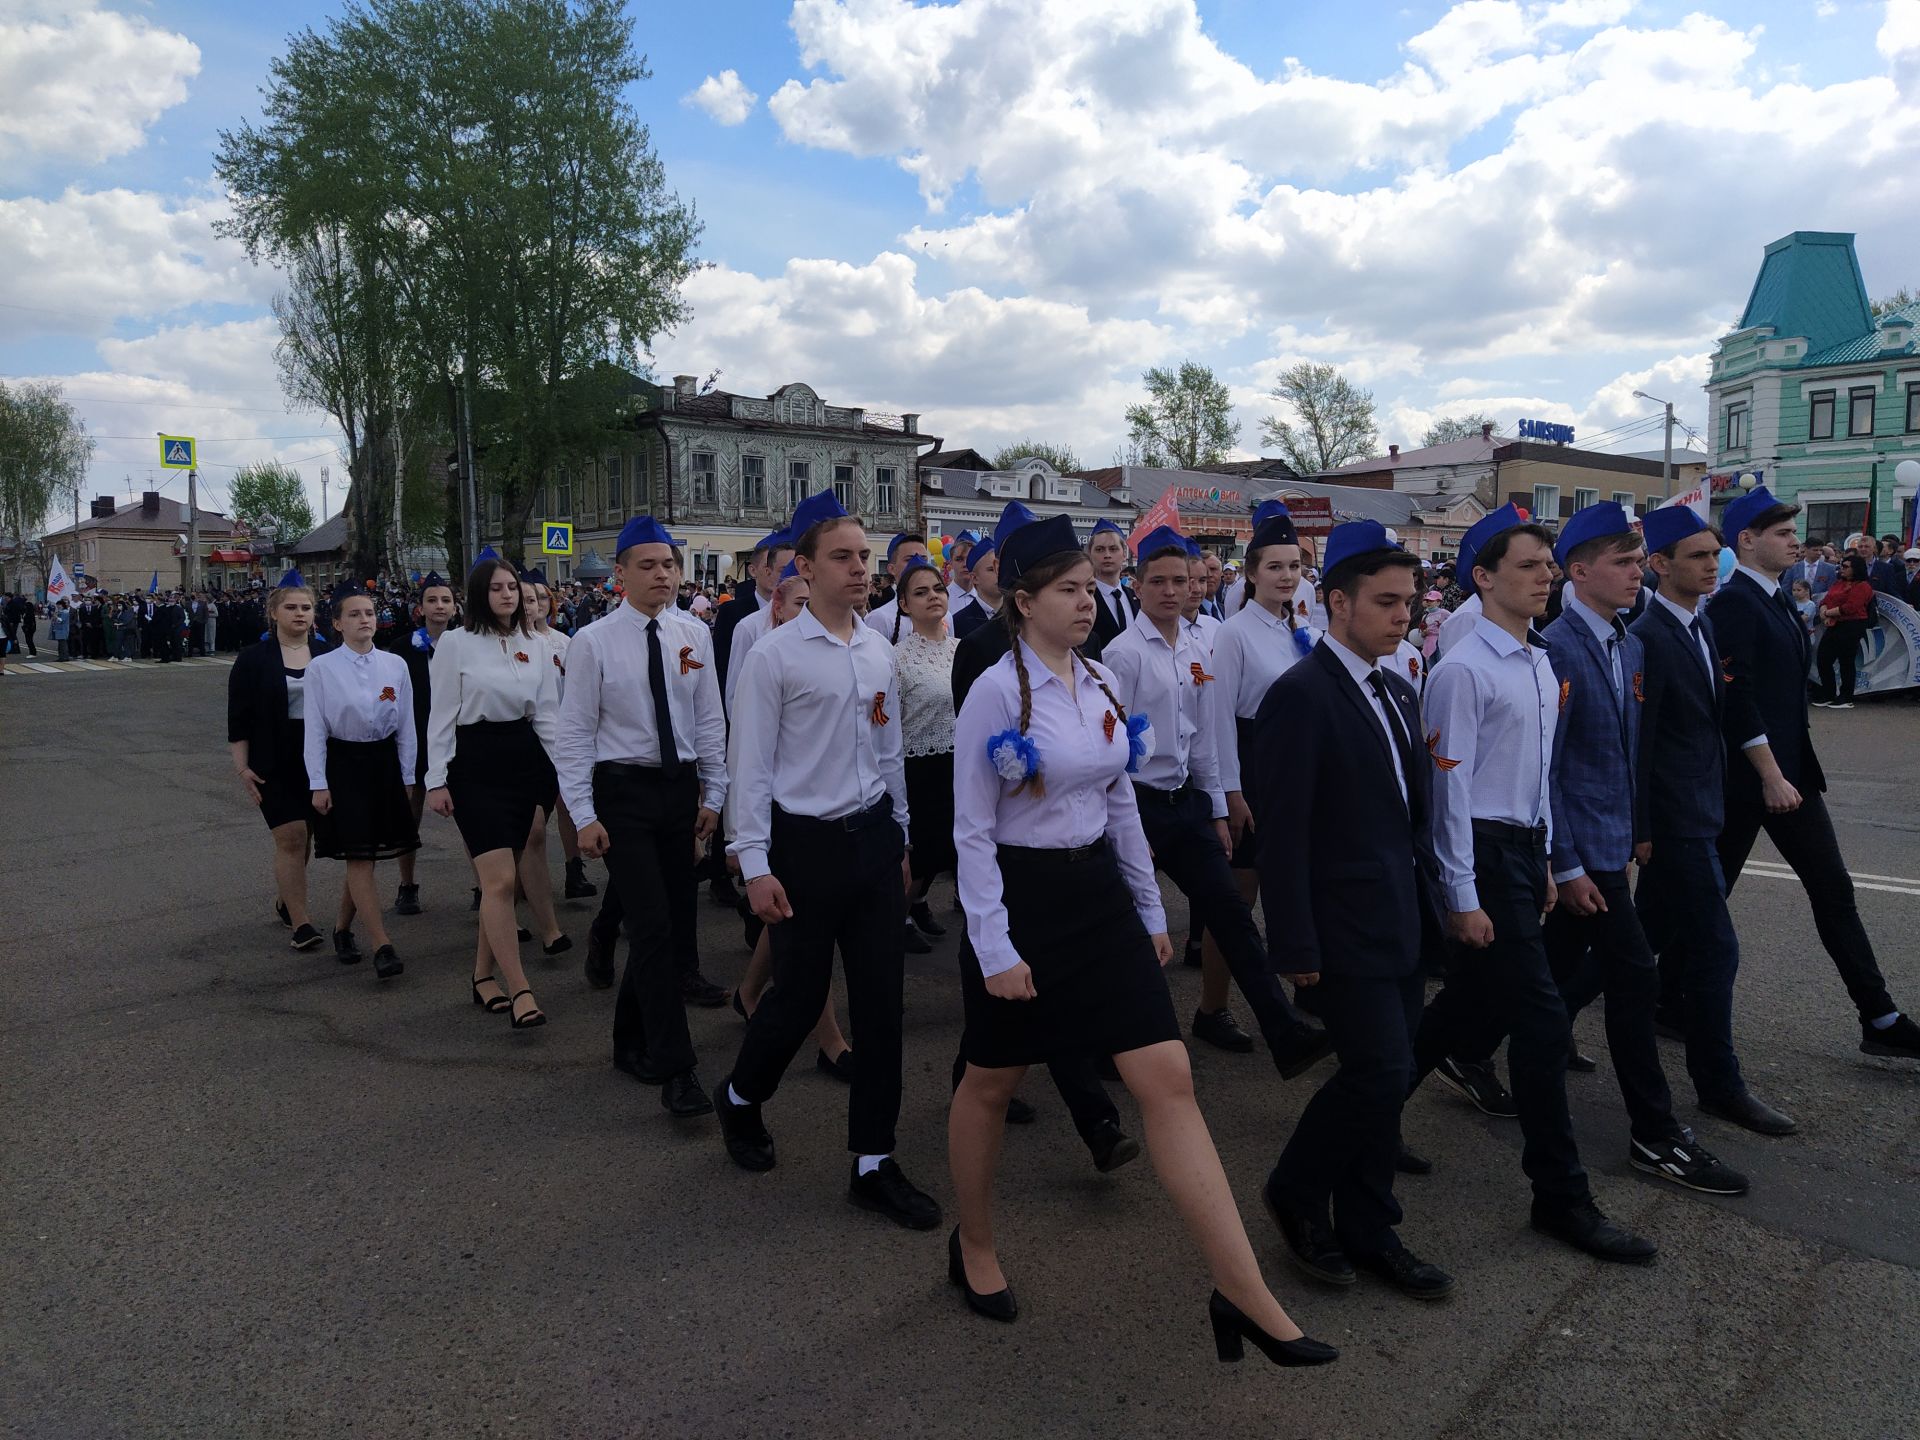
(1900, 1039)
(886, 1191)
(1408, 1163)
(632, 1062)
(1232, 1329)
(1309, 1242)
(1407, 1273)
(306, 938)
(578, 886)
(522, 934)
(1753, 1114)
(558, 947)
(386, 964)
(280, 911)
(748, 1143)
(407, 902)
(696, 989)
(1112, 1147)
(346, 949)
(914, 942)
(1194, 955)
(683, 1097)
(1303, 1049)
(1479, 1083)
(1577, 1063)
(840, 1069)
(997, 1306)
(923, 921)
(1019, 1112)
(1220, 1030)
(1585, 1228)
(599, 962)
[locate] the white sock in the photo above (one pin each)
(1885, 1022)
(870, 1163)
(735, 1096)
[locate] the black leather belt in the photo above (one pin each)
(1507, 830)
(1154, 793)
(881, 809)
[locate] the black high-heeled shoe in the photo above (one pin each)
(1231, 1327)
(495, 1005)
(533, 1017)
(997, 1306)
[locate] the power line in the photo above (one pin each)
(226, 439)
(176, 405)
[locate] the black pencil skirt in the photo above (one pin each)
(930, 813)
(285, 796)
(371, 818)
(498, 777)
(1099, 990)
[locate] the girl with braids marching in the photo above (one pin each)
(1066, 936)
(923, 661)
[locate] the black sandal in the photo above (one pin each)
(534, 1017)
(495, 1004)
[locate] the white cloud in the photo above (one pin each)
(724, 97)
(79, 84)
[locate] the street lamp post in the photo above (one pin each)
(1666, 465)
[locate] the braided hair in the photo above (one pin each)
(1031, 582)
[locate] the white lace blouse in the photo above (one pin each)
(925, 668)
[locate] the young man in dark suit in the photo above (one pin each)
(1350, 910)
(1776, 783)
(763, 569)
(1114, 606)
(1682, 896)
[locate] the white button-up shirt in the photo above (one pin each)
(1493, 704)
(350, 696)
(1173, 687)
(1252, 650)
(1088, 794)
(746, 635)
(1457, 626)
(607, 712)
(806, 735)
(475, 676)
(1358, 670)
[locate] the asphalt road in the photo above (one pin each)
(253, 1193)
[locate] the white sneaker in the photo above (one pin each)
(1841, 705)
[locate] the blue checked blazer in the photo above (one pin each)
(1597, 810)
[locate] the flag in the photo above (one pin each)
(1164, 511)
(59, 583)
(153, 585)
(1695, 499)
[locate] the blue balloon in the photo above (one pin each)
(1726, 562)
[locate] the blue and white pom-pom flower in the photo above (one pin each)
(1014, 756)
(1304, 640)
(1139, 742)
(420, 640)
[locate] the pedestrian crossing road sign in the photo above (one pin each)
(176, 452)
(556, 538)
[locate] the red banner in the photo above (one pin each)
(1164, 511)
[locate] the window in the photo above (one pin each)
(753, 481)
(1836, 519)
(883, 474)
(1913, 409)
(1820, 416)
(706, 485)
(1582, 498)
(1626, 498)
(1860, 412)
(1546, 503)
(799, 480)
(563, 491)
(616, 488)
(640, 483)
(843, 487)
(1737, 426)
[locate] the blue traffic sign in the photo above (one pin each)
(556, 538)
(176, 452)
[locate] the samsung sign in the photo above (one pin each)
(1546, 430)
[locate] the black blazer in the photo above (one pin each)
(1764, 654)
(257, 707)
(725, 621)
(976, 655)
(1106, 625)
(1351, 891)
(1683, 753)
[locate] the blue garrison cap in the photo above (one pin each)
(292, 580)
(980, 551)
(1482, 530)
(433, 578)
(1011, 519)
(535, 576)
(778, 540)
(643, 530)
(1741, 514)
(1103, 524)
(1268, 509)
(789, 571)
(487, 552)
(1593, 522)
(1354, 539)
(1027, 545)
(967, 537)
(905, 537)
(821, 505)
(1161, 537)
(1669, 525)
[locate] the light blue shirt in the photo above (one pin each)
(1170, 685)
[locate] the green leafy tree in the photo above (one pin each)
(1187, 419)
(1457, 427)
(267, 487)
(1333, 419)
(44, 453)
(1890, 303)
(1061, 457)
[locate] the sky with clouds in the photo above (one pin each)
(998, 213)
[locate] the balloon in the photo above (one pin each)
(1523, 512)
(1726, 563)
(937, 550)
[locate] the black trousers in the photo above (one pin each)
(612, 915)
(1682, 900)
(1805, 840)
(843, 879)
(1343, 1148)
(649, 823)
(1841, 643)
(1508, 989)
(1179, 830)
(1607, 952)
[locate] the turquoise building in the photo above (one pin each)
(1817, 396)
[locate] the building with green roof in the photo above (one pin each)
(1816, 396)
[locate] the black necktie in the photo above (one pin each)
(1394, 728)
(1793, 618)
(662, 712)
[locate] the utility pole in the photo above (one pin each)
(1666, 466)
(193, 530)
(326, 510)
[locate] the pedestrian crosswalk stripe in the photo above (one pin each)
(17, 666)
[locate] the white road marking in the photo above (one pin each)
(1894, 884)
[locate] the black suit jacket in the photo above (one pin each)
(1106, 624)
(1763, 652)
(1349, 893)
(257, 706)
(1683, 752)
(977, 654)
(725, 621)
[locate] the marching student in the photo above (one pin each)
(437, 608)
(985, 644)
(821, 837)
(1353, 883)
(1776, 784)
(1593, 937)
(647, 777)
(1198, 614)
(557, 641)
(1681, 898)
(1114, 605)
(960, 576)
(360, 751)
(489, 766)
(923, 669)
(769, 558)
(982, 600)
(1066, 936)
(902, 550)
(1160, 672)
(1460, 623)
(1492, 706)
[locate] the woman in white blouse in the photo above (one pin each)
(1066, 936)
(923, 661)
(536, 880)
(360, 750)
(489, 765)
